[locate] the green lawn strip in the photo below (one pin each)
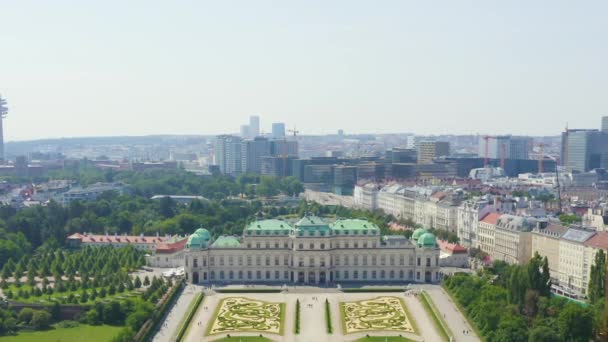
(432, 310)
(384, 339)
(464, 313)
(248, 291)
(243, 339)
(355, 290)
(185, 323)
(328, 318)
(83, 332)
(343, 318)
(282, 319)
(297, 322)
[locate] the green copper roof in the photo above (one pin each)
(226, 242)
(355, 225)
(427, 240)
(312, 226)
(418, 233)
(200, 239)
(311, 221)
(268, 227)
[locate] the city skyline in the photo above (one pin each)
(203, 68)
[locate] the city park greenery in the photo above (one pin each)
(514, 303)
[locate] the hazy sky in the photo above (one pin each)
(82, 68)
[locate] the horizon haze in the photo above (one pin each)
(70, 69)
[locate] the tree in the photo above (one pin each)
(146, 281)
(575, 323)
(544, 333)
(597, 286)
(511, 329)
(25, 315)
(568, 219)
(137, 282)
(41, 319)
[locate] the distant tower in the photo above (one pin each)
(278, 130)
(3, 112)
(254, 126)
(604, 123)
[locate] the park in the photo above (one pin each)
(319, 314)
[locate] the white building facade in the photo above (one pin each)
(312, 252)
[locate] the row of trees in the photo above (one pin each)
(514, 304)
(99, 262)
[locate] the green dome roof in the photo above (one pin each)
(418, 233)
(200, 239)
(427, 240)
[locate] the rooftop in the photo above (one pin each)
(109, 239)
(599, 241)
(579, 235)
(226, 242)
(491, 218)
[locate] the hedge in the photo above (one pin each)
(189, 315)
(248, 291)
(328, 317)
(390, 289)
(297, 329)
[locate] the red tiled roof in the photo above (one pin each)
(168, 248)
(491, 218)
(451, 247)
(86, 238)
(599, 241)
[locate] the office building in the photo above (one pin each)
(254, 126)
(429, 150)
(245, 131)
(278, 130)
(506, 145)
(604, 123)
(584, 150)
(252, 152)
(281, 148)
(312, 251)
(228, 154)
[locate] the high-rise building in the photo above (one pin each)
(284, 148)
(429, 150)
(228, 154)
(245, 131)
(278, 130)
(3, 112)
(584, 150)
(254, 126)
(512, 147)
(604, 123)
(252, 152)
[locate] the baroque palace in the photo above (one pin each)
(311, 251)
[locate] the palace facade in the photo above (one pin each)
(311, 251)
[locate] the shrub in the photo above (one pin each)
(328, 317)
(297, 316)
(41, 319)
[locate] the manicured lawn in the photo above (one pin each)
(83, 332)
(384, 339)
(239, 314)
(243, 339)
(378, 314)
